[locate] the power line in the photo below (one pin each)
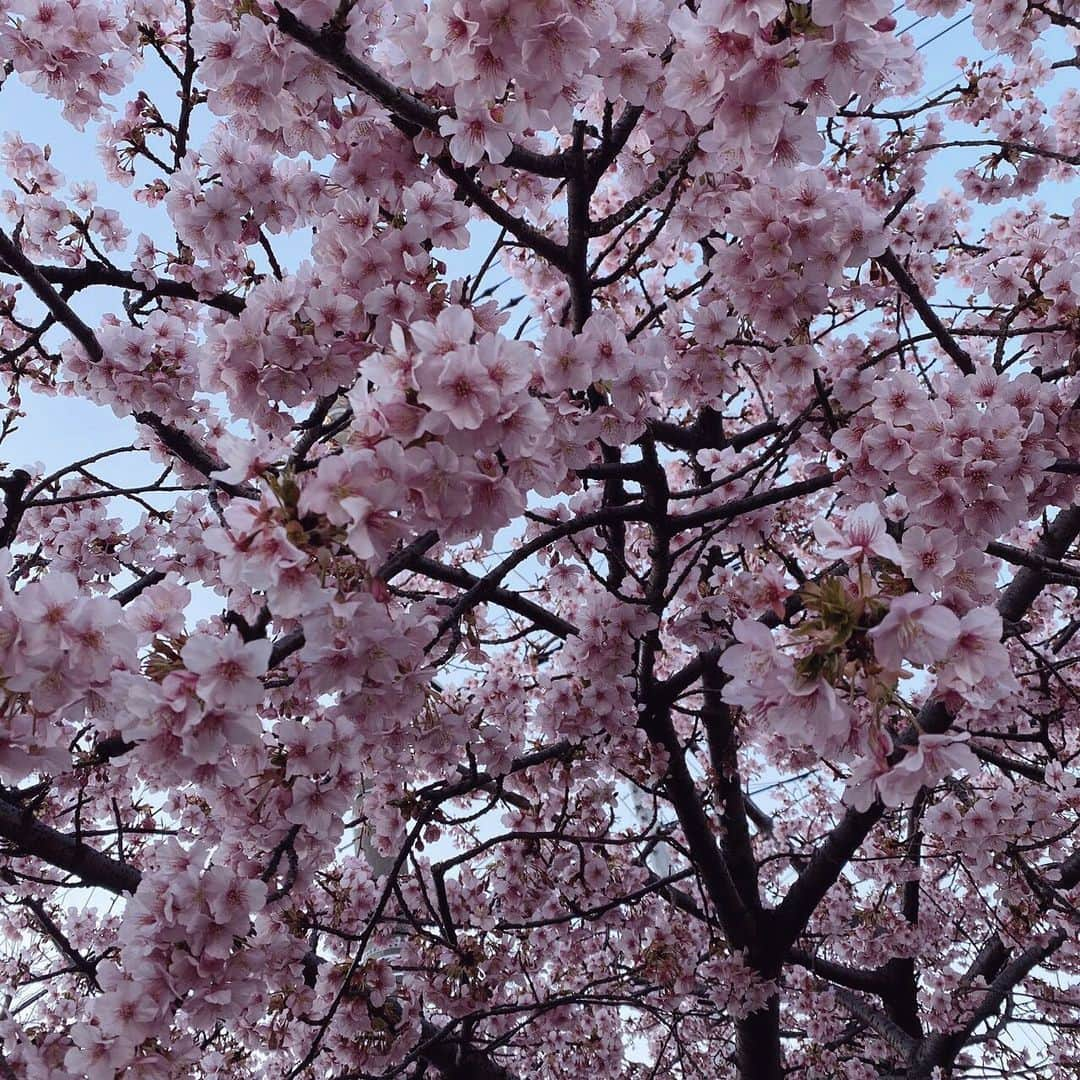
(911, 26)
(942, 33)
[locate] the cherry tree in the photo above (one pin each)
(651, 652)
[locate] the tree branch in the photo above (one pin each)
(31, 837)
(91, 273)
(929, 317)
(58, 307)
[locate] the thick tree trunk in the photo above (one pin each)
(757, 1044)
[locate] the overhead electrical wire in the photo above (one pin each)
(942, 33)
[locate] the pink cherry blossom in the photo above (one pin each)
(228, 668)
(915, 629)
(861, 535)
(926, 557)
(458, 389)
(474, 134)
(755, 665)
(933, 757)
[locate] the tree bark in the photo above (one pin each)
(757, 1044)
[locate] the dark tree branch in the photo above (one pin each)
(92, 273)
(30, 837)
(13, 487)
(57, 306)
(521, 605)
(929, 317)
(137, 588)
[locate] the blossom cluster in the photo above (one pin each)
(831, 698)
(61, 653)
(970, 458)
(74, 52)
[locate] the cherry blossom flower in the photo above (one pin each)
(914, 629)
(861, 535)
(978, 664)
(692, 86)
(458, 389)
(927, 556)
(228, 668)
(809, 713)
(96, 1055)
(755, 665)
(474, 134)
(933, 757)
(374, 523)
(861, 790)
